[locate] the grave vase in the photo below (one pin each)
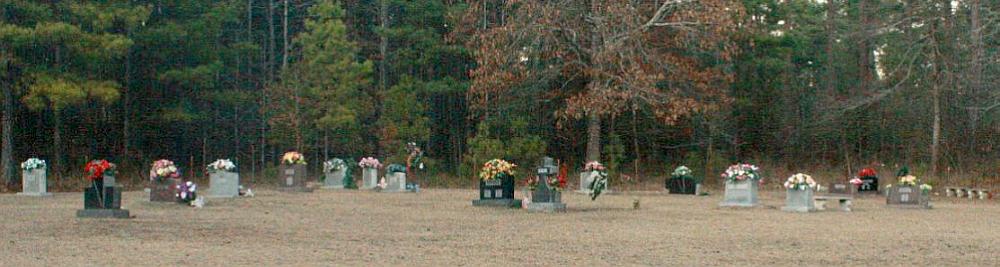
(741, 194)
(34, 183)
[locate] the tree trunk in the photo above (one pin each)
(57, 152)
(936, 131)
(864, 49)
(127, 109)
(284, 33)
(593, 137)
(976, 72)
(270, 41)
(831, 39)
(7, 156)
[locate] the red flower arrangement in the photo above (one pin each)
(95, 169)
(867, 172)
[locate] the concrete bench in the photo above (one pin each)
(845, 201)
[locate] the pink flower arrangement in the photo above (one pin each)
(856, 181)
(741, 172)
(163, 169)
(370, 162)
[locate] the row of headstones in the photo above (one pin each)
(34, 182)
(745, 194)
(294, 176)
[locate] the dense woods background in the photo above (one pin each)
(642, 85)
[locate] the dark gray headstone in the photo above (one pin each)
(741, 194)
(293, 178)
(163, 190)
(908, 197)
(34, 183)
(545, 199)
(223, 184)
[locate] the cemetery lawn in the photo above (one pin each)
(440, 227)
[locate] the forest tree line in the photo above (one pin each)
(640, 85)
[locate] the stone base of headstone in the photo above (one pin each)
(334, 180)
(223, 184)
(295, 189)
(31, 194)
(503, 203)
(741, 194)
(163, 191)
(547, 207)
(799, 201)
(396, 182)
(102, 213)
(369, 178)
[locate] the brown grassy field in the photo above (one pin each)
(441, 228)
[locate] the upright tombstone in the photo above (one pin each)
(908, 196)
(33, 178)
(497, 189)
(681, 182)
(396, 178)
(293, 173)
(869, 181)
(224, 181)
(163, 178)
(369, 172)
(293, 178)
(799, 193)
(334, 172)
(102, 199)
(545, 198)
(741, 186)
(842, 189)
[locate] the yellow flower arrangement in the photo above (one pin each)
(293, 157)
(494, 168)
(909, 180)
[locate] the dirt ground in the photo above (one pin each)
(442, 228)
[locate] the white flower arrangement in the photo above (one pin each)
(333, 165)
(926, 188)
(33, 163)
(681, 171)
(221, 165)
(800, 181)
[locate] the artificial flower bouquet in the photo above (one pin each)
(293, 158)
(741, 172)
(856, 181)
(370, 163)
(186, 192)
(33, 163)
(221, 165)
(334, 165)
(908, 180)
(867, 173)
(681, 172)
(531, 182)
(96, 169)
(800, 181)
(163, 169)
(494, 168)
